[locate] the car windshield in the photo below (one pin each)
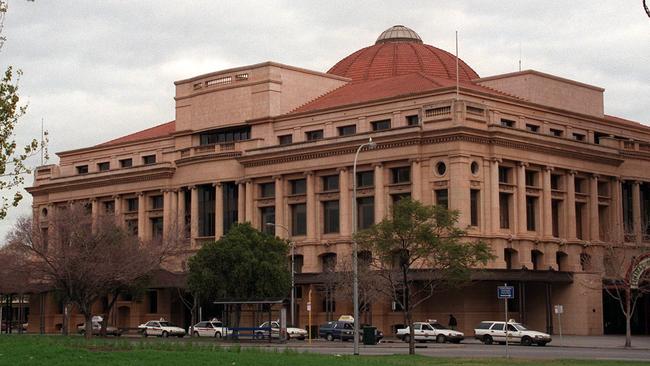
(166, 324)
(437, 326)
(520, 327)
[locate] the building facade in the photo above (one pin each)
(532, 162)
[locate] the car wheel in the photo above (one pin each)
(217, 335)
(165, 334)
(82, 332)
(526, 341)
(329, 337)
(195, 334)
(441, 338)
(407, 338)
(487, 339)
(288, 337)
(145, 334)
(541, 344)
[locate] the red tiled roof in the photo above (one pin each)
(162, 130)
(367, 91)
(390, 59)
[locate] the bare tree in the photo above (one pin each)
(645, 6)
(372, 286)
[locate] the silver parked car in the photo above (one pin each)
(489, 332)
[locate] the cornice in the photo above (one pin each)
(207, 157)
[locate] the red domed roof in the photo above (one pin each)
(400, 51)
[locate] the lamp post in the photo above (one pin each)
(355, 265)
(293, 271)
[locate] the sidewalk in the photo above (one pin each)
(605, 341)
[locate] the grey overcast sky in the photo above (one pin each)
(96, 70)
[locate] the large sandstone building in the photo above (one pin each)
(531, 160)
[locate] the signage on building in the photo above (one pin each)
(559, 309)
(638, 270)
(309, 306)
(505, 292)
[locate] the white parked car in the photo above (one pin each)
(489, 332)
(425, 332)
(292, 333)
(212, 328)
(161, 328)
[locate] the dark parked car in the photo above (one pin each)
(343, 330)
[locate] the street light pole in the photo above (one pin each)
(355, 249)
(293, 271)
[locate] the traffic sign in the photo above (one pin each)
(309, 306)
(559, 309)
(505, 292)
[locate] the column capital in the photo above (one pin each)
(93, 200)
(216, 184)
(377, 165)
(594, 176)
(192, 187)
(617, 179)
(308, 173)
(522, 164)
(116, 196)
(495, 160)
(342, 169)
(415, 160)
(637, 182)
(572, 172)
(548, 168)
(277, 177)
(139, 194)
(166, 190)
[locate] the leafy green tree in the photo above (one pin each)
(245, 264)
(419, 250)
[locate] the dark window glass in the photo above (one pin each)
(157, 227)
(504, 174)
(413, 120)
(347, 130)
(504, 210)
(109, 207)
(331, 183)
(474, 197)
(442, 198)
(131, 204)
(285, 139)
(132, 226)
(531, 208)
(299, 219)
(268, 217)
(298, 263)
(401, 175)
(555, 217)
(223, 135)
(104, 166)
(157, 202)
(126, 163)
(230, 213)
(82, 169)
(579, 185)
(298, 186)
(578, 137)
(555, 181)
(152, 301)
(365, 212)
(441, 168)
(267, 190)
(329, 262)
(365, 179)
(578, 218)
(507, 123)
(331, 217)
(314, 135)
(531, 178)
(557, 133)
(532, 128)
(149, 159)
(381, 125)
(206, 210)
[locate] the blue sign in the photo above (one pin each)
(505, 292)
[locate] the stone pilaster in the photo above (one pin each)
(416, 180)
(521, 218)
(636, 211)
(494, 196)
(594, 222)
(241, 201)
(345, 207)
(571, 206)
(218, 210)
(167, 212)
(547, 203)
(380, 193)
(250, 201)
(142, 216)
(311, 205)
(194, 214)
(280, 230)
(180, 218)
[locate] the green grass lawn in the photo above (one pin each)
(57, 350)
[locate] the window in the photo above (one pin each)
(579, 185)
(384, 124)
(109, 207)
(578, 218)
(555, 181)
(395, 198)
(474, 168)
(628, 221)
(268, 217)
(331, 217)
(557, 133)
(442, 198)
(285, 139)
(531, 178)
(555, 218)
(206, 201)
(532, 128)
(401, 175)
(126, 163)
(104, 166)
(365, 212)
(314, 135)
(157, 202)
(531, 208)
(331, 183)
(578, 137)
(504, 210)
(504, 174)
(82, 169)
(365, 179)
(299, 261)
(299, 219)
(149, 159)
(132, 226)
(152, 301)
(131, 204)
(507, 123)
(413, 120)
(441, 168)
(298, 186)
(267, 190)
(230, 210)
(347, 130)
(474, 197)
(224, 135)
(157, 227)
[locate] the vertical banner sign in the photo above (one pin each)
(506, 292)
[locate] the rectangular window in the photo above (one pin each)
(206, 209)
(267, 190)
(504, 174)
(578, 218)
(507, 123)
(104, 166)
(347, 130)
(532, 128)
(157, 202)
(555, 218)
(413, 120)
(285, 139)
(298, 186)
(365, 179)
(474, 198)
(555, 181)
(398, 197)
(268, 217)
(109, 207)
(331, 183)
(442, 197)
(579, 185)
(401, 175)
(331, 217)
(531, 178)
(314, 135)
(365, 212)
(531, 209)
(152, 301)
(299, 219)
(225, 135)
(628, 221)
(126, 163)
(384, 124)
(557, 133)
(578, 137)
(131, 204)
(504, 210)
(149, 159)
(157, 227)
(82, 169)
(132, 226)
(230, 209)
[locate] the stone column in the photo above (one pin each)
(571, 206)
(380, 193)
(94, 211)
(416, 180)
(594, 222)
(636, 211)
(522, 228)
(118, 210)
(173, 207)
(495, 213)
(194, 214)
(218, 210)
(181, 212)
(142, 216)
(616, 212)
(547, 203)
(345, 203)
(311, 206)
(281, 227)
(167, 212)
(459, 187)
(241, 201)
(250, 200)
